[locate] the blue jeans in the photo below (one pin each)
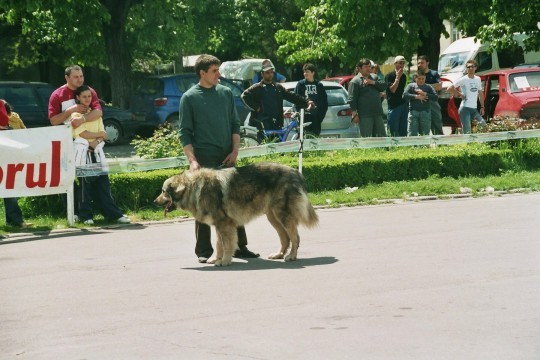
(419, 122)
(397, 120)
(465, 114)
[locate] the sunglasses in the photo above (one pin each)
(471, 67)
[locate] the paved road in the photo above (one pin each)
(453, 279)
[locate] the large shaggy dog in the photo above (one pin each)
(232, 197)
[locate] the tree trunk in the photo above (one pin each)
(431, 45)
(118, 51)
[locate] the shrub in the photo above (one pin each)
(164, 143)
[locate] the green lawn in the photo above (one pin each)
(524, 181)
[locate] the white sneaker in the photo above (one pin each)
(123, 220)
(88, 222)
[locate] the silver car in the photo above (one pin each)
(337, 122)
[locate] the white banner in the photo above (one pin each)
(38, 161)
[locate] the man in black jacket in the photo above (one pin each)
(265, 99)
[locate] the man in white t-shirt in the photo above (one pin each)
(470, 90)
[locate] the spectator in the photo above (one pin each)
(470, 90)
(314, 90)
(14, 216)
(419, 95)
(210, 136)
(15, 121)
(375, 69)
(364, 98)
(397, 107)
(62, 101)
(265, 99)
(432, 78)
(277, 76)
(4, 117)
(63, 107)
(89, 141)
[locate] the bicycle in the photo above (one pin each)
(253, 136)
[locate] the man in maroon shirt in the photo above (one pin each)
(62, 101)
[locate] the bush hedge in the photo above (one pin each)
(330, 170)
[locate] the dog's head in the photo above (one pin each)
(171, 193)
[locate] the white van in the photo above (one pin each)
(452, 60)
(241, 71)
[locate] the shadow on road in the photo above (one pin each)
(264, 264)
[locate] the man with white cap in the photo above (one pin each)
(265, 100)
(267, 63)
(397, 106)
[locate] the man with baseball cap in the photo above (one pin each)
(396, 120)
(265, 100)
(268, 65)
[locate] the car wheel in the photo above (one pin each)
(173, 122)
(113, 130)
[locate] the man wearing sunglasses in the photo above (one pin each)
(470, 90)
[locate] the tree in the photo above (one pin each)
(102, 33)
(376, 29)
(507, 18)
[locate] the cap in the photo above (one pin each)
(399, 58)
(267, 65)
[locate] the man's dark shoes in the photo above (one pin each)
(245, 253)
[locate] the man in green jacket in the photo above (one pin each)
(210, 136)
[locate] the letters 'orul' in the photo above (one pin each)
(13, 172)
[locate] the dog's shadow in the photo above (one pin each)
(266, 264)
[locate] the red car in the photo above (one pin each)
(343, 80)
(510, 92)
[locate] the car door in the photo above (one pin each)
(491, 94)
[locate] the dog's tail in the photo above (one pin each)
(309, 217)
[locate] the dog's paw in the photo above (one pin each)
(211, 261)
(275, 256)
(223, 262)
(290, 257)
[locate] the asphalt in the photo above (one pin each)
(445, 279)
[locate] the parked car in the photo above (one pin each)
(337, 122)
(511, 92)
(157, 98)
(343, 80)
(31, 101)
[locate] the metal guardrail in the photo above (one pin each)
(117, 166)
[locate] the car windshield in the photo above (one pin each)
(525, 81)
(336, 96)
(453, 62)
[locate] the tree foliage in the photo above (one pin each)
(101, 33)
(376, 29)
(509, 17)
